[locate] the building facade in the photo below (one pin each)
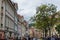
(19, 26)
(8, 19)
(22, 26)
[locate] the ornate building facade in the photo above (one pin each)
(8, 19)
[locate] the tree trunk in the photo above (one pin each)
(43, 33)
(50, 32)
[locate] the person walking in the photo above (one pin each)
(48, 38)
(52, 38)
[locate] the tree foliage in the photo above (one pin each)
(58, 28)
(45, 17)
(43, 14)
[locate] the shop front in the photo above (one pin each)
(2, 35)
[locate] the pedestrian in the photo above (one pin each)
(24, 38)
(48, 38)
(52, 38)
(16, 38)
(56, 38)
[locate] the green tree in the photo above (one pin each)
(58, 28)
(42, 18)
(58, 22)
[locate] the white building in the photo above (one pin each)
(8, 19)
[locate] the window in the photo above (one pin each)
(7, 21)
(1, 13)
(1, 25)
(16, 28)
(1, 17)
(16, 20)
(10, 34)
(1, 7)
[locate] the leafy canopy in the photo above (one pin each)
(58, 28)
(42, 18)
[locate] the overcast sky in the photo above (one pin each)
(27, 8)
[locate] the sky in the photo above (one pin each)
(27, 8)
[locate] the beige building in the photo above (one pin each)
(36, 33)
(22, 26)
(8, 19)
(19, 25)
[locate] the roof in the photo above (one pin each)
(19, 16)
(15, 5)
